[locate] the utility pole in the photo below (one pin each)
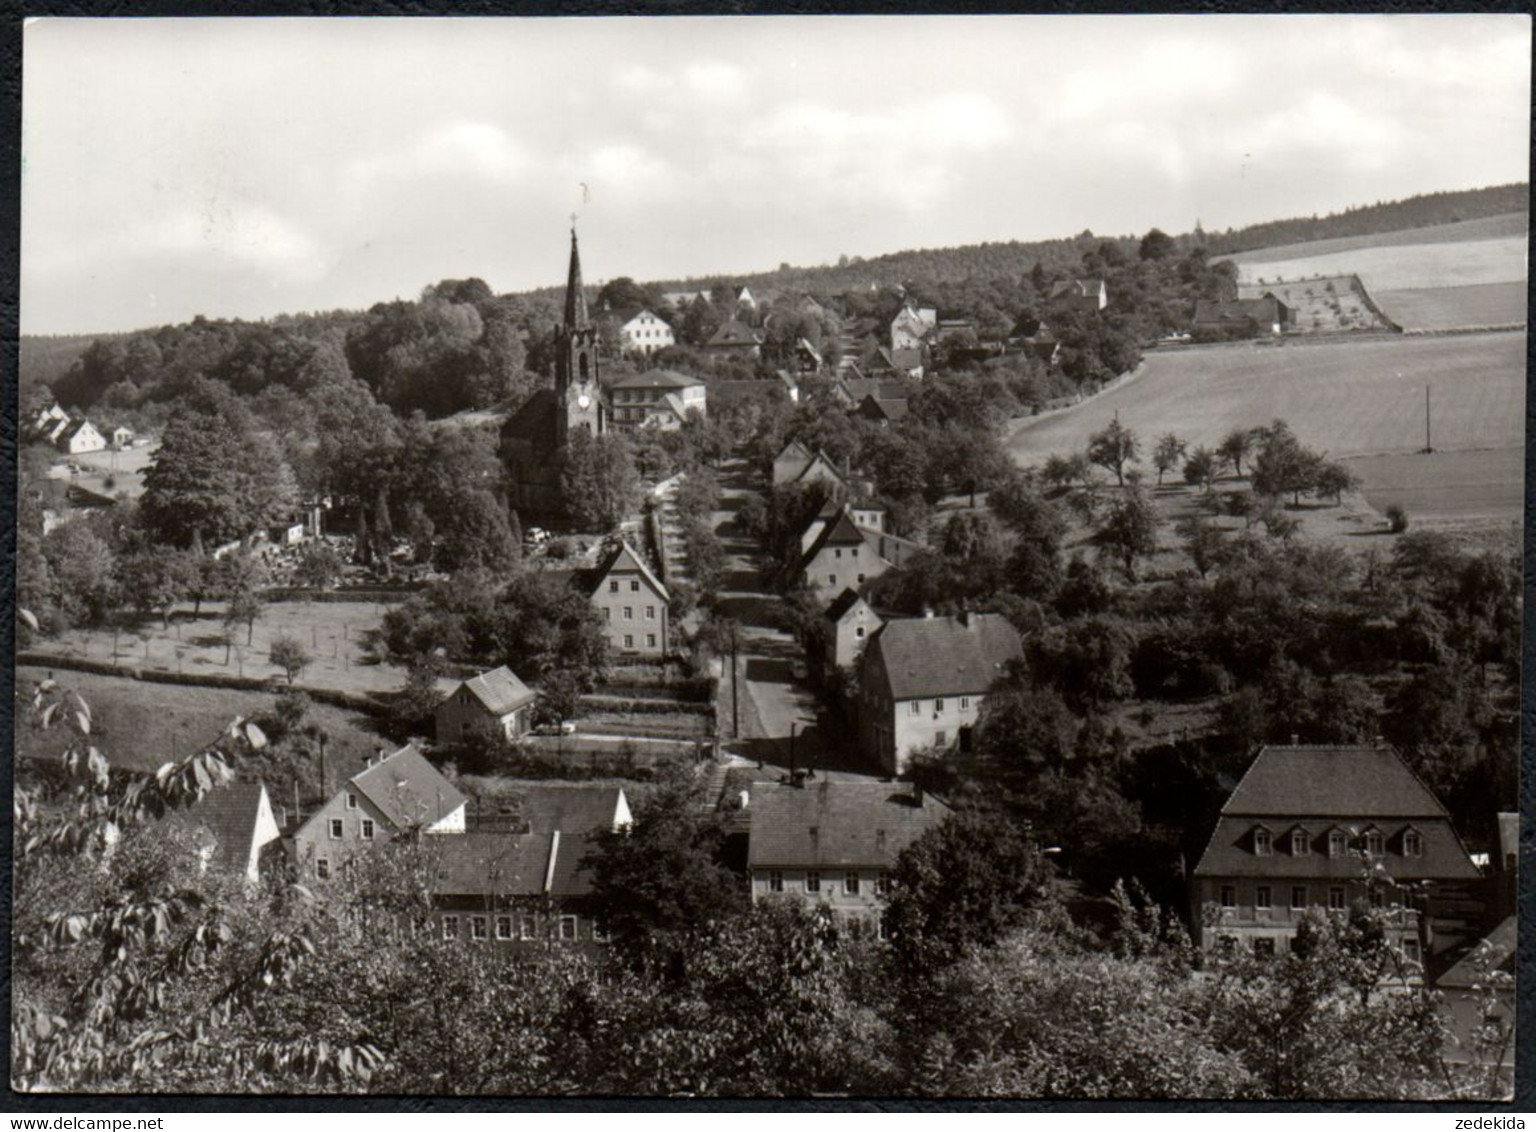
(735, 688)
(1428, 447)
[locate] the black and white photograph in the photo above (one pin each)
(943, 558)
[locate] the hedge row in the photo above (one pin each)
(300, 593)
(622, 706)
(647, 731)
(357, 701)
(692, 689)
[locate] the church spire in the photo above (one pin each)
(575, 297)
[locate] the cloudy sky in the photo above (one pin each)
(250, 167)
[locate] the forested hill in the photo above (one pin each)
(1013, 258)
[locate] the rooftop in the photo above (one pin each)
(945, 656)
(836, 824)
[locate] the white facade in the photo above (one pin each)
(645, 333)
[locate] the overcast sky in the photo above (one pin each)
(246, 168)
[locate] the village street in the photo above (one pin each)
(780, 717)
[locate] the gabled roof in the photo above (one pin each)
(1360, 783)
(543, 854)
(1267, 309)
(823, 460)
(875, 408)
(534, 420)
(836, 824)
(841, 532)
(657, 379)
(908, 358)
(844, 602)
(499, 690)
(624, 560)
(858, 388)
(794, 449)
(407, 789)
(941, 656)
(229, 813)
(1494, 952)
(734, 332)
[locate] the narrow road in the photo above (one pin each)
(781, 718)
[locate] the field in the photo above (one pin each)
(1346, 398)
(1402, 267)
(1446, 308)
(1442, 487)
(139, 726)
(336, 634)
(1488, 228)
(125, 468)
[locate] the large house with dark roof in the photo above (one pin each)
(495, 701)
(845, 554)
(393, 795)
(632, 603)
(535, 438)
(923, 680)
(735, 339)
(1311, 827)
(524, 883)
(833, 843)
(1249, 317)
(658, 399)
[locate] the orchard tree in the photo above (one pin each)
(1130, 529)
(1167, 454)
(1200, 468)
(290, 655)
(1113, 448)
(1235, 447)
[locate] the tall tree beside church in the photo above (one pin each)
(598, 482)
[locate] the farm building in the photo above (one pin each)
(80, 436)
(494, 701)
(1249, 317)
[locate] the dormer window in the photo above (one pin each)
(1262, 842)
(1375, 843)
(1301, 845)
(1338, 844)
(1413, 843)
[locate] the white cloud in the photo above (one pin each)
(233, 233)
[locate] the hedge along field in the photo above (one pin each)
(1343, 397)
(1448, 308)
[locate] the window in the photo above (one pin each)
(1300, 847)
(1337, 843)
(1261, 842)
(323, 868)
(503, 927)
(352, 798)
(851, 884)
(837, 554)
(527, 926)
(629, 641)
(336, 829)
(917, 707)
(1228, 896)
(599, 934)
(1336, 899)
(1261, 898)
(567, 927)
(1298, 897)
(1411, 949)
(478, 928)
(613, 587)
(1374, 843)
(629, 613)
(859, 632)
(607, 614)
(813, 882)
(650, 640)
(883, 884)
(939, 738)
(861, 579)
(855, 552)
(831, 579)
(965, 703)
(450, 927)
(775, 881)
(650, 613)
(366, 829)
(634, 585)
(883, 926)
(1413, 844)
(938, 705)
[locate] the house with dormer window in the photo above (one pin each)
(1312, 827)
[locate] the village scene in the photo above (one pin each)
(842, 681)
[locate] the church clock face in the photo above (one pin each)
(584, 401)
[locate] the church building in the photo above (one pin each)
(535, 439)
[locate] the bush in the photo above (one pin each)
(1397, 519)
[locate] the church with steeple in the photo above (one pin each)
(535, 439)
